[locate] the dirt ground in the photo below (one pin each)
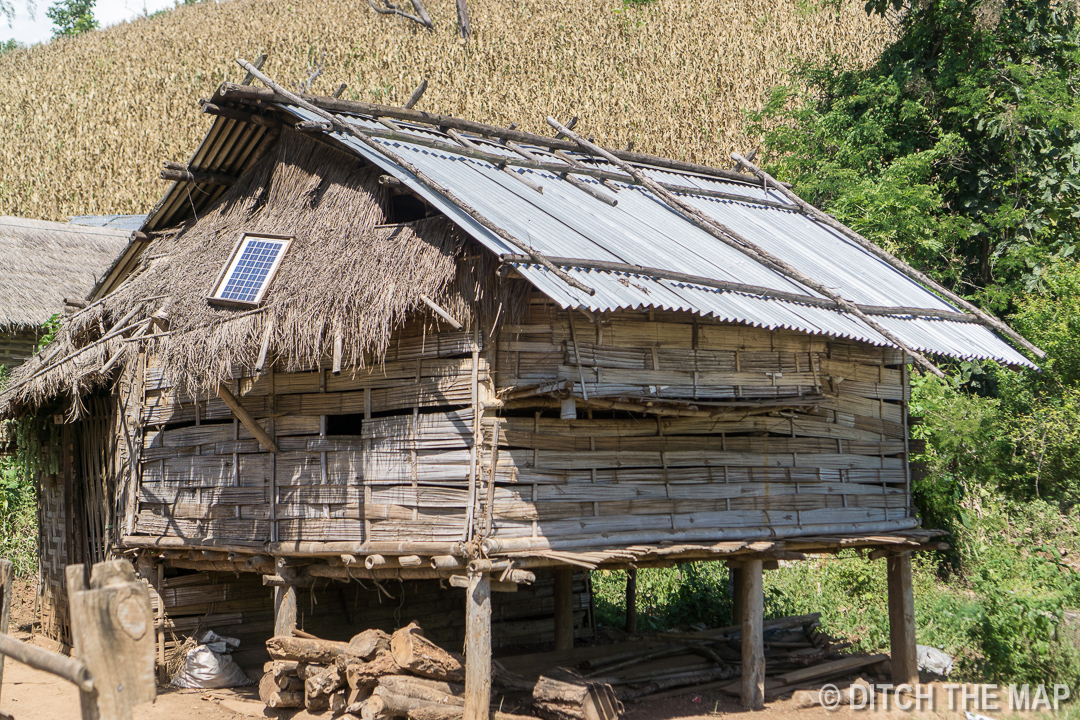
(28, 694)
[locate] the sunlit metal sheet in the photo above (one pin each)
(564, 221)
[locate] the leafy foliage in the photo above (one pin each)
(72, 17)
(959, 148)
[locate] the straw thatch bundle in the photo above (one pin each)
(343, 275)
(45, 262)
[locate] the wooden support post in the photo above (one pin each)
(631, 600)
(6, 573)
(753, 642)
(737, 576)
(478, 648)
(564, 608)
(905, 662)
(284, 609)
(112, 627)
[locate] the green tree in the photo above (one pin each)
(72, 17)
(959, 149)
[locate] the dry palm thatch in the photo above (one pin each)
(45, 262)
(345, 274)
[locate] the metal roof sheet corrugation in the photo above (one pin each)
(563, 221)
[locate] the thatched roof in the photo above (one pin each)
(335, 210)
(45, 262)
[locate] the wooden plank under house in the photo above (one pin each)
(386, 366)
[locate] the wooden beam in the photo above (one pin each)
(905, 661)
(752, 693)
(478, 648)
(246, 418)
(68, 668)
(631, 600)
(227, 112)
(183, 174)
(284, 610)
(564, 608)
(230, 90)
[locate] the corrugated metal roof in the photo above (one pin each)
(565, 222)
(115, 222)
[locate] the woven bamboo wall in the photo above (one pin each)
(682, 423)
(16, 346)
(53, 612)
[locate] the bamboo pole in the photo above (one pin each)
(895, 262)
(734, 240)
(70, 669)
(355, 132)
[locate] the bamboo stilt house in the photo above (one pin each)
(364, 343)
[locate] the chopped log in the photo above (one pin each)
(369, 643)
(570, 697)
(319, 687)
(274, 697)
(424, 689)
(319, 652)
(365, 675)
(415, 653)
(338, 702)
(371, 709)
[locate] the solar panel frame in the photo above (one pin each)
(257, 278)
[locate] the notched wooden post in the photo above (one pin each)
(112, 628)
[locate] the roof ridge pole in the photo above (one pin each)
(418, 174)
(884, 255)
(733, 239)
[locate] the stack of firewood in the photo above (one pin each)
(376, 675)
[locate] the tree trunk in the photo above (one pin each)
(319, 652)
(365, 675)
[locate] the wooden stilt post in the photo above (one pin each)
(6, 573)
(564, 608)
(478, 648)
(905, 662)
(737, 576)
(284, 609)
(753, 642)
(631, 600)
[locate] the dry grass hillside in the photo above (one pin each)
(88, 121)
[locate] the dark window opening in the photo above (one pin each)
(405, 208)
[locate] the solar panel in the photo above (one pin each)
(250, 269)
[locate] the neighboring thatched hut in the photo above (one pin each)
(387, 345)
(47, 267)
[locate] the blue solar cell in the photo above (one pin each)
(249, 275)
